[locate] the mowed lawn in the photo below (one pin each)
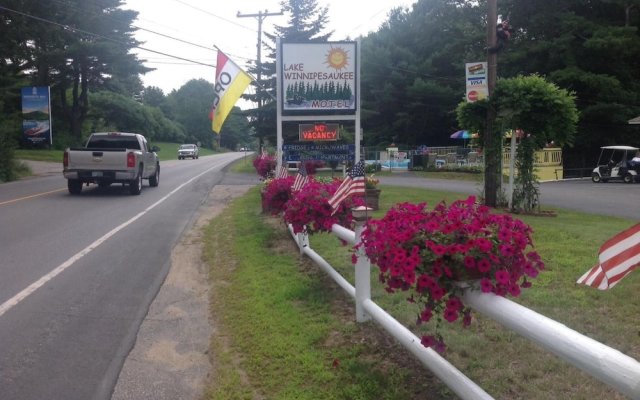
(286, 331)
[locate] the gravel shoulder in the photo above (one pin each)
(170, 358)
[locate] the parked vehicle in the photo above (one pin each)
(112, 157)
(188, 150)
(615, 163)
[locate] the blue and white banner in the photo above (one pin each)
(36, 115)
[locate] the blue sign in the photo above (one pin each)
(36, 116)
(323, 152)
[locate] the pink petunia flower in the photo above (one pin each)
(450, 314)
(502, 276)
(486, 286)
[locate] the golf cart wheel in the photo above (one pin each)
(595, 177)
(628, 178)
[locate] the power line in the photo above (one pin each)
(76, 30)
(213, 15)
(100, 14)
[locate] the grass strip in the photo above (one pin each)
(283, 331)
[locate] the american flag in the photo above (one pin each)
(301, 178)
(283, 172)
(618, 257)
(353, 183)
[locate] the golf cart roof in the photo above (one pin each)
(619, 148)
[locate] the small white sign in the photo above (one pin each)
(476, 81)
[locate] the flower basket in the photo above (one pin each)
(274, 194)
(308, 209)
(430, 253)
(372, 198)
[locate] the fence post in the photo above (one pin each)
(363, 265)
(302, 240)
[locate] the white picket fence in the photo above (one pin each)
(606, 364)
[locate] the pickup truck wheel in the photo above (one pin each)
(74, 186)
(154, 179)
(628, 178)
(135, 186)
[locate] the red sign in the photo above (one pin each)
(472, 96)
(318, 132)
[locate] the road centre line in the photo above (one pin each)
(15, 300)
(30, 197)
(42, 194)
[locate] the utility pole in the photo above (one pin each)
(260, 16)
(492, 142)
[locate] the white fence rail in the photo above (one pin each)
(606, 364)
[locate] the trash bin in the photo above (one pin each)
(418, 161)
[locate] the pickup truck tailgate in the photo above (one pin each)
(99, 159)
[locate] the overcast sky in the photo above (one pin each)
(201, 24)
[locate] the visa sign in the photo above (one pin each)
(476, 81)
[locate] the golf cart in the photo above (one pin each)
(614, 164)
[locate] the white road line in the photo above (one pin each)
(12, 302)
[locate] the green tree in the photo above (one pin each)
(153, 96)
(540, 109)
(112, 111)
(413, 71)
(306, 22)
(235, 131)
(191, 105)
(75, 47)
(591, 48)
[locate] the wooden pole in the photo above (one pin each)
(492, 153)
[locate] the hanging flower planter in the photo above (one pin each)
(371, 192)
(436, 254)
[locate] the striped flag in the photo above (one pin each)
(301, 178)
(352, 184)
(618, 257)
(231, 81)
(283, 173)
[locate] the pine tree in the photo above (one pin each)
(306, 22)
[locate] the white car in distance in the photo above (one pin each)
(188, 150)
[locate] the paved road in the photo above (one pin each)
(613, 198)
(78, 274)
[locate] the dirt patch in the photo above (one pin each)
(170, 359)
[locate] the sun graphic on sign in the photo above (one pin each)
(337, 58)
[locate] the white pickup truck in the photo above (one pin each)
(112, 157)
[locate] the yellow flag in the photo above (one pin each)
(231, 81)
